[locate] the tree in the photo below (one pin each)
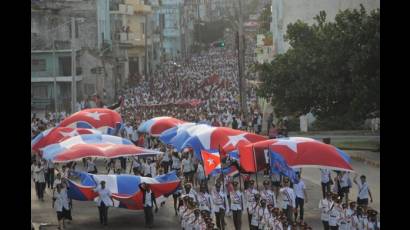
(332, 68)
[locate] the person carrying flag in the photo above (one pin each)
(268, 194)
(250, 199)
(219, 205)
(289, 202)
(104, 201)
(237, 204)
(149, 201)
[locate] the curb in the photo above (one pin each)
(373, 163)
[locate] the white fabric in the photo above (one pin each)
(288, 196)
(39, 174)
(148, 199)
(104, 195)
(236, 200)
(176, 163)
(334, 215)
(298, 188)
(250, 197)
(269, 196)
(204, 201)
(325, 175)
(186, 164)
(153, 169)
(324, 206)
(61, 200)
(363, 192)
(344, 181)
(219, 201)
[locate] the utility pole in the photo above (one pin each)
(241, 60)
(73, 67)
(55, 77)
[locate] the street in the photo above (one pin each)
(85, 214)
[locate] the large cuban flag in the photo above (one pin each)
(58, 134)
(124, 188)
(157, 125)
(168, 134)
(187, 132)
(93, 145)
(222, 139)
(106, 120)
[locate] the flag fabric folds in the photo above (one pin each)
(278, 165)
(211, 160)
(124, 188)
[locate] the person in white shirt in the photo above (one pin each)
(250, 199)
(350, 213)
(200, 174)
(50, 174)
(104, 200)
(165, 160)
(324, 206)
(335, 213)
(176, 162)
(146, 168)
(275, 178)
(149, 201)
(204, 199)
(263, 215)
(57, 181)
(373, 223)
(61, 205)
(153, 168)
(325, 179)
(301, 196)
(267, 194)
(40, 180)
(219, 205)
(190, 192)
(237, 204)
(254, 221)
(91, 167)
(342, 222)
(288, 196)
(364, 191)
(186, 168)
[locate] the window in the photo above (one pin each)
(76, 29)
(64, 66)
(38, 65)
(40, 91)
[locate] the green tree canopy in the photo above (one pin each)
(332, 68)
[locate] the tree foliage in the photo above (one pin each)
(332, 68)
(265, 19)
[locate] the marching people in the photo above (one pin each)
(324, 206)
(237, 204)
(289, 200)
(250, 199)
(351, 211)
(301, 196)
(50, 174)
(104, 201)
(254, 221)
(61, 205)
(190, 192)
(267, 194)
(326, 180)
(39, 179)
(204, 199)
(364, 191)
(219, 205)
(335, 212)
(149, 201)
(91, 167)
(263, 215)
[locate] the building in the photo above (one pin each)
(264, 50)
(130, 41)
(51, 45)
(289, 11)
(172, 11)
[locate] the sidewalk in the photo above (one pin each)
(368, 157)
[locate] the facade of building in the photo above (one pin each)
(289, 11)
(264, 49)
(51, 45)
(172, 11)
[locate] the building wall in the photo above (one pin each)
(289, 11)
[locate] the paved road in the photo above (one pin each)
(85, 214)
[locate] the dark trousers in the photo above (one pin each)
(299, 203)
(165, 165)
(40, 189)
(123, 162)
(249, 219)
(237, 219)
(325, 188)
(149, 217)
(50, 177)
(103, 210)
(334, 227)
(325, 225)
(220, 219)
(289, 213)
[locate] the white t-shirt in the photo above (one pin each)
(186, 163)
(90, 166)
(298, 188)
(324, 206)
(103, 195)
(39, 174)
(176, 163)
(363, 192)
(288, 196)
(153, 169)
(61, 200)
(324, 175)
(148, 199)
(344, 181)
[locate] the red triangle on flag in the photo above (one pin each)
(211, 161)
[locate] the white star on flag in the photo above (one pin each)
(95, 115)
(69, 134)
(210, 162)
(233, 140)
(291, 143)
